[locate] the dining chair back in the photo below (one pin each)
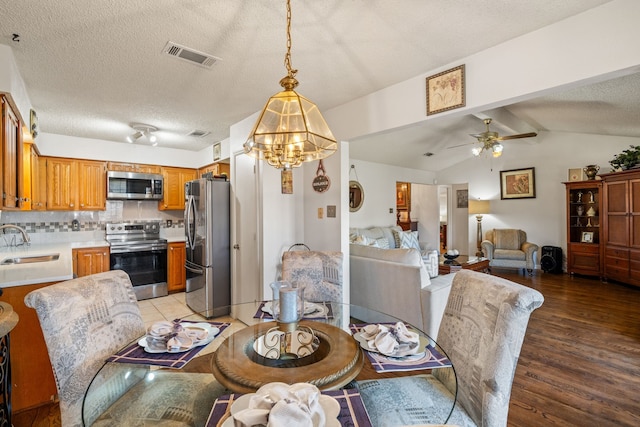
(84, 321)
(319, 272)
(482, 332)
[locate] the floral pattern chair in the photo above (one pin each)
(319, 272)
(482, 331)
(86, 320)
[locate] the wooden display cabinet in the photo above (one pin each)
(584, 227)
(621, 226)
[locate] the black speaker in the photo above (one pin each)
(551, 259)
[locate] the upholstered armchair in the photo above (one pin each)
(509, 248)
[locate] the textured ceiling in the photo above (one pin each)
(93, 68)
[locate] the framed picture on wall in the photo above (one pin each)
(217, 152)
(445, 90)
(462, 199)
(518, 184)
(403, 193)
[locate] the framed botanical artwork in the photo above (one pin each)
(518, 184)
(462, 199)
(445, 90)
(217, 152)
(587, 237)
(403, 193)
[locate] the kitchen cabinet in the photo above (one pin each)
(32, 378)
(132, 167)
(38, 180)
(76, 184)
(621, 232)
(174, 181)
(87, 261)
(12, 181)
(583, 207)
(176, 273)
(214, 169)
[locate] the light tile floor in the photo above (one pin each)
(171, 307)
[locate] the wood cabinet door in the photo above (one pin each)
(61, 184)
(176, 276)
(92, 188)
(12, 180)
(617, 222)
(174, 181)
(634, 213)
(38, 182)
(32, 378)
(89, 261)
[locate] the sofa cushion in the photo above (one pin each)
(513, 254)
(406, 239)
(507, 239)
(383, 235)
(402, 256)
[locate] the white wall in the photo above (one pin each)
(379, 184)
(425, 208)
(543, 217)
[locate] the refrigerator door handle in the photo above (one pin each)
(194, 270)
(190, 238)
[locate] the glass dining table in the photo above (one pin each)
(331, 349)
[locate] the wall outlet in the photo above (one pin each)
(390, 210)
(75, 225)
(169, 223)
(320, 213)
(331, 211)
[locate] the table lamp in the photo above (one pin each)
(479, 208)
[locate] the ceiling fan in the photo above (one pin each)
(490, 141)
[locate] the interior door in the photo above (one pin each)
(245, 237)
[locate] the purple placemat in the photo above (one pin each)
(352, 410)
(329, 315)
(134, 353)
(431, 359)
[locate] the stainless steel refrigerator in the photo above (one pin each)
(206, 220)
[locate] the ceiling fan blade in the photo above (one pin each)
(461, 145)
(518, 136)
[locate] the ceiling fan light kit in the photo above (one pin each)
(490, 141)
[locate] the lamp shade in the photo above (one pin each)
(479, 207)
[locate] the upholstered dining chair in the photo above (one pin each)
(482, 331)
(319, 272)
(86, 320)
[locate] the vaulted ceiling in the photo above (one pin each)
(94, 68)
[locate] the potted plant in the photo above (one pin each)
(627, 159)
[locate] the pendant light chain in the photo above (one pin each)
(287, 57)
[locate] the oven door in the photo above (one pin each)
(147, 270)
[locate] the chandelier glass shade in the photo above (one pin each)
(490, 146)
(290, 129)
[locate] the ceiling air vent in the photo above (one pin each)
(198, 133)
(191, 55)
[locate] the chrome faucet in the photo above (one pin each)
(25, 236)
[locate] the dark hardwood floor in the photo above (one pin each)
(579, 364)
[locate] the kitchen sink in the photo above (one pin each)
(26, 259)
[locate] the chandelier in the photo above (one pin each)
(290, 129)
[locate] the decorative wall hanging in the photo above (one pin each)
(462, 199)
(33, 124)
(217, 152)
(286, 178)
(518, 184)
(446, 91)
(356, 192)
(321, 182)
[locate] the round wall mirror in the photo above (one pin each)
(356, 196)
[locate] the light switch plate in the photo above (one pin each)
(320, 213)
(331, 211)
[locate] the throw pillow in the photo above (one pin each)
(406, 240)
(382, 243)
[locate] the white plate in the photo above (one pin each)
(212, 331)
(364, 343)
(329, 405)
(318, 310)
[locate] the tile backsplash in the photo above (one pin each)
(39, 224)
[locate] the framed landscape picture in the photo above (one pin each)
(518, 184)
(445, 90)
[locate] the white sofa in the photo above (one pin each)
(395, 281)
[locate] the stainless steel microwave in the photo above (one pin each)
(134, 186)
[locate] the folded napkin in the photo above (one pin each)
(283, 405)
(392, 340)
